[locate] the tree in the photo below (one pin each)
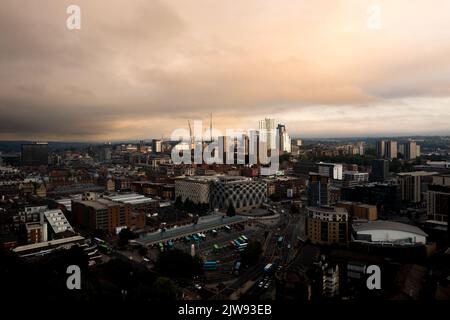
(189, 205)
(178, 203)
(125, 235)
(251, 253)
(119, 272)
(164, 290)
(178, 264)
(231, 211)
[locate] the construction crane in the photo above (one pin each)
(191, 138)
(210, 128)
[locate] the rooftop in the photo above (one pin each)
(43, 245)
(417, 173)
(388, 225)
(99, 204)
(327, 209)
(57, 221)
(200, 179)
(129, 198)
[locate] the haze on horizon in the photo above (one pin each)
(139, 69)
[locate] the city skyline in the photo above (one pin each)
(142, 69)
(211, 158)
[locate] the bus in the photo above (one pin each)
(99, 241)
(268, 267)
(104, 248)
(237, 267)
(210, 265)
(280, 240)
(243, 245)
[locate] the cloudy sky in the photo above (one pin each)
(138, 69)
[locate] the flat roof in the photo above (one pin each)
(98, 204)
(417, 173)
(47, 243)
(388, 225)
(130, 198)
(327, 209)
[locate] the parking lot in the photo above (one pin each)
(205, 224)
(205, 247)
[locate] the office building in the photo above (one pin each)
(303, 168)
(380, 194)
(267, 133)
(197, 188)
(380, 170)
(35, 154)
(331, 170)
(105, 215)
(414, 184)
(401, 150)
(156, 146)
(386, 149)
(36, 232)
(57, 221)
(359, 148)
(380, 149)
(438, 204)
(327, 225)
(359, 210)
(50, 224)
(391, 150)
(240, 192)
(105, 153)
(410, 150)
(234, 150)
(353, 178)
(318, 190)
(285, 139)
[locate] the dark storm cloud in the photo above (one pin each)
(139, 68)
